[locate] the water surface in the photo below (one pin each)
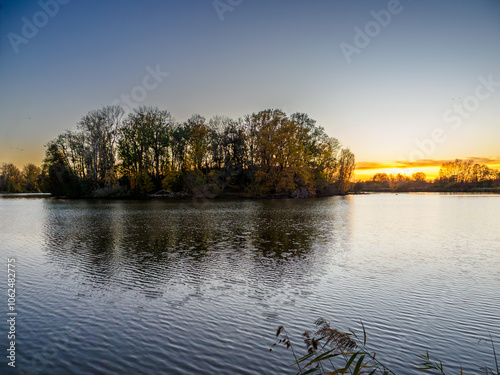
(199, 287)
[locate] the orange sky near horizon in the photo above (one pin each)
(364, 173)
(367, 174)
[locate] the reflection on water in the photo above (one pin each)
(199, 287)
(149, 244)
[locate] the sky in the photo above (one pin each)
(404, 84)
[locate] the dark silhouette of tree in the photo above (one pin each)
(464, 175)
(59, 177)
(32, 175)
(419, 176)
(380, 177)
(97, 137)
(265, 153)
(144, 147)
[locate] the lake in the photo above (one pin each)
(199, 287)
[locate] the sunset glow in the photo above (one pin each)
(365, 171)
(367, 174)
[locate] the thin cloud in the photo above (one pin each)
(493, 160)
(422, 163)
(370, 165)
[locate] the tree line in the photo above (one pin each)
(15, 180)
(147, 151)
(457, 175)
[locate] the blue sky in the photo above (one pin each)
(383, 103)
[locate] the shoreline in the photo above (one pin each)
(178, 197)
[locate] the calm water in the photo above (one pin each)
(161, 287)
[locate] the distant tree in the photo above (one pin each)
(399, 177)
(419, 176)
(464, 175)
(482, 173)
(460, 171)
(380, 177)
(11, 178)
(32, 176)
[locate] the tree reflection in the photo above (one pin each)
(183, 248)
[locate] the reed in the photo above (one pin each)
(331, 351)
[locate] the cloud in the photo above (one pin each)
(422, 163)
(493, 160)
(370, 165)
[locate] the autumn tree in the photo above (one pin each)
(11, 178)
(419, 176)
(345, 169)
(143, 147)
(197, 134)
(96, 142)
(380, 177)
(32, 175)
(263, 153)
